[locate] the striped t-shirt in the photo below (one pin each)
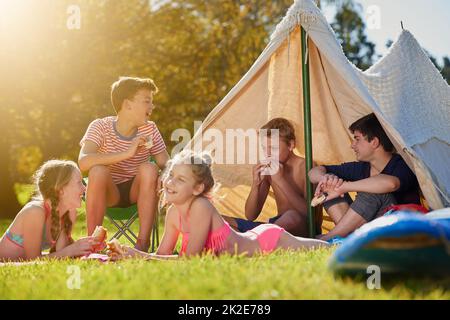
(104, 134)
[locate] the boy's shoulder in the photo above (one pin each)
(104, 122)
(298, 161)
(397, 163)
(148, 126)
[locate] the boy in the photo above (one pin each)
(380, 177)
(288, 184)
(115, 151)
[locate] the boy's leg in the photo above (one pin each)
(232, 222)
(293, 222)
(288, 241)
(241, 225)
(143, 192)
(365, 208)
(338, 207)
(101, 193)
(349, 223)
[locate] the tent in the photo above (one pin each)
(404, 90)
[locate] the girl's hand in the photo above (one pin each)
(81, 247)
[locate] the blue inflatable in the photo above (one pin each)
(402, 242)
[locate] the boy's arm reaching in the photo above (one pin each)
(90, 157)
(381, 183)
(161, 159)
(316, 174)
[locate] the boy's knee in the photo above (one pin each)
(148, 171)
(292, 219)
(371, 205)
(346, 200)
(99, 172)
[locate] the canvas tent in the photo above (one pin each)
(403, 89)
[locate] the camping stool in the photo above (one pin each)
(123, 218)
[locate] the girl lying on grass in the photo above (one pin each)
(46, 221)
(188, 185)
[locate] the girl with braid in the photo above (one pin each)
(46, 221)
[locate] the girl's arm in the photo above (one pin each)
(168, 242)
(170, 234)
(200, 223)
(33, 227)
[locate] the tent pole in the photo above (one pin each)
(307, 129)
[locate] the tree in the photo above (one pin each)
(56, 80)
(349, 27)
(445, 69)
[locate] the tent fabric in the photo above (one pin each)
(403, 89)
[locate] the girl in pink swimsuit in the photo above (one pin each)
(46, 221)
(188, 184)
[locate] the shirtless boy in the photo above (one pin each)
(288, 185)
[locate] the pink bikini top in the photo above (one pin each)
(215, 242)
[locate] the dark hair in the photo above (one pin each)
(370, 127)
(127, 87)
(284, 126)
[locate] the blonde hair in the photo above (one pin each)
(49, 179)
(284, 126)
(201, 168)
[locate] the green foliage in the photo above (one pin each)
(58, 80)
(443, 69)
(350, 30)
(24, 192)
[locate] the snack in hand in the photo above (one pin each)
(115, 248)
(99, 234)
(268, 167)
(318, 200)
(149, 143)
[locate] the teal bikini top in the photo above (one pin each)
(18, 239)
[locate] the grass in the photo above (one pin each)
(281, 275)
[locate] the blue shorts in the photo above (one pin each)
(245, 225)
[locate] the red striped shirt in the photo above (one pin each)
(104, 134)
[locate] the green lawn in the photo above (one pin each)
(282, 275)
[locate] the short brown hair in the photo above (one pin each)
(127, 87)
(285, 128)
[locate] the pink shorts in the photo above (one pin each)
(267, 235)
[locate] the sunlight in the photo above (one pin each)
(13, 14)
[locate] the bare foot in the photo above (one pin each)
(142, 245)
